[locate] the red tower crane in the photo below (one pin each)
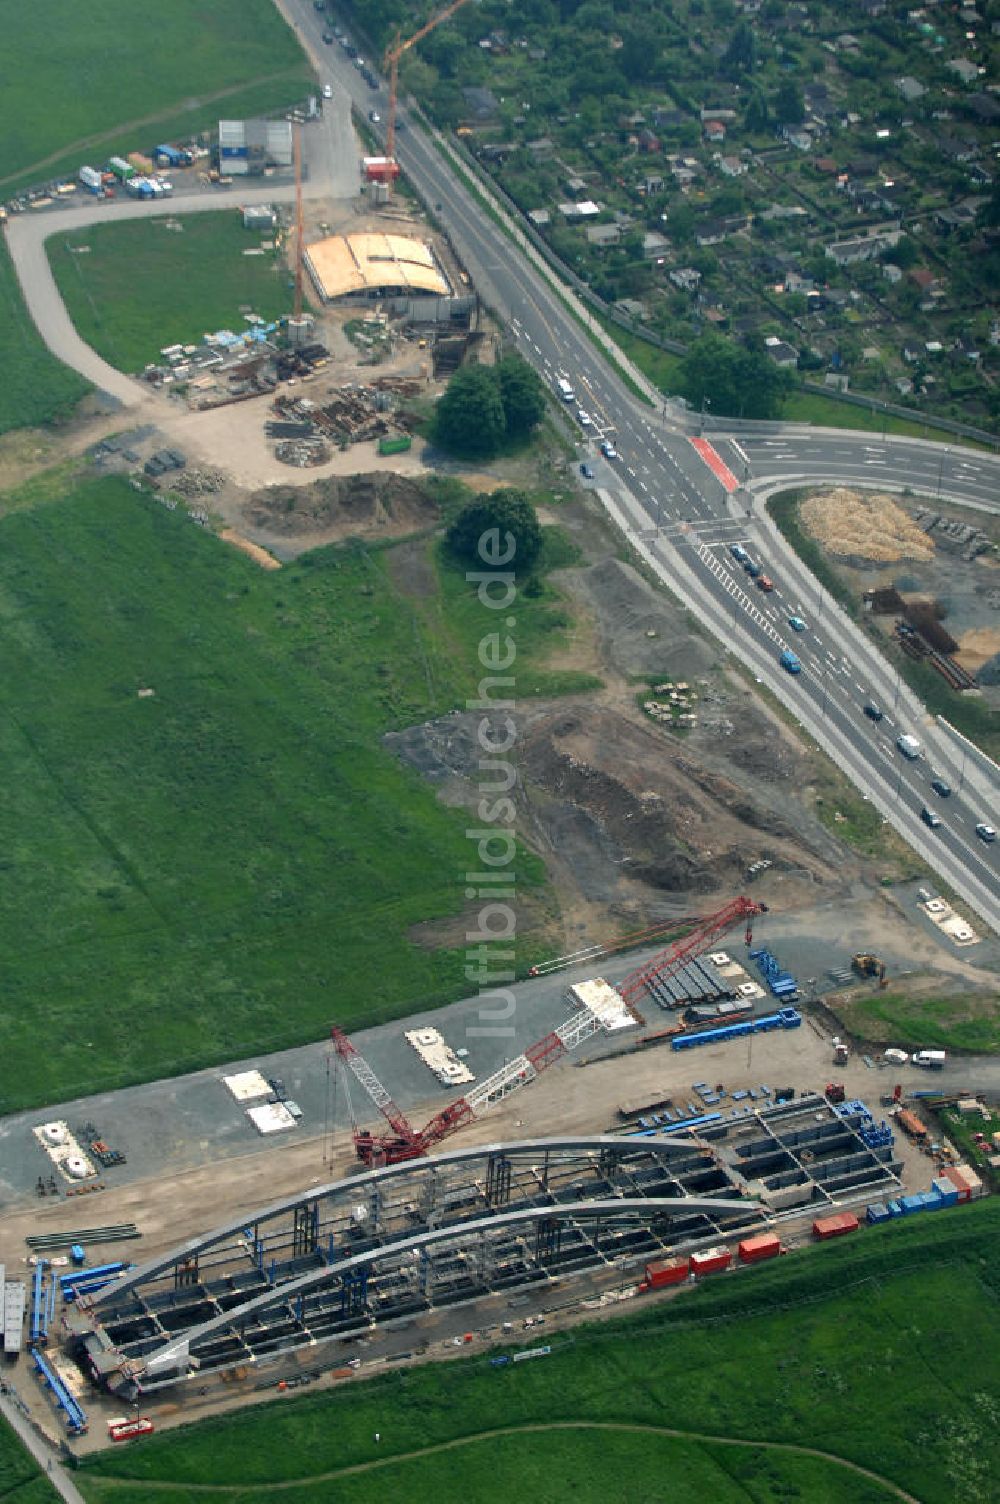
(406, 1142)
(391, 62)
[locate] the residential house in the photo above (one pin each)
(968, 348)
(861, 248)
(923, 277)
(956, 217)
(686, 278)
(603, 235)
(667, 120)
(783, 355)
(872, 9)
(892, 273)
(576, 186)
(651, 184)
(712, 232)
(654, 244)
(648, 142)
(715, 132)
(732, 167)
(826, 165)
(539, 218)
(910, 88)
(797, 136)
(586, 209)
(482, 103)
(727, 116)
(541, 146)
(632, 308)
(956, 148)
(966, 71)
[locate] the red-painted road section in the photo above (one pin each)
(716, 464)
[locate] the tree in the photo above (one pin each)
(522, 396)
(789, 107)
(470, 417)
(733, 380)
(740, 56)
(499, 531)
(756, 116)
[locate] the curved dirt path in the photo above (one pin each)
(636, 1428)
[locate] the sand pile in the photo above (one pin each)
(869, 526)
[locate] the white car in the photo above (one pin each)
(608, 450)
(586, 421)
(895, 1057)
(327, 92)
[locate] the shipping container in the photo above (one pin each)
(966, 1180)
(911, 1205)
(894, 1209)
(911, 1124)
(121, 169)
(711, 1260)
(139, 162)
(168, 154)
(946, 1189)
(398, 444)
(877, 1213)
(665, 1272)
(91, 179)
(765, 1245)
(835, 1226)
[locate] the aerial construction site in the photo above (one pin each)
(675, 1124)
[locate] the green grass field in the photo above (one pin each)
(881, 1353)
(20, 1480)
(94, 79)
(969, 1021)
(37, 388)
(142, 285)
(232, 863)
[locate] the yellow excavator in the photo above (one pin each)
(870, 966)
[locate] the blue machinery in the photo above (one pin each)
(89, 1281)
(780, 982)
(785, 1018)
(76, 1416)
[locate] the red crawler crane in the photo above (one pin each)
(406, 1142)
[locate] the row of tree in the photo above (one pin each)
(486, 408)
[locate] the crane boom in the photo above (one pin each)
(705, 931)
(367, 1078)
(391, 62)
(406, 1142)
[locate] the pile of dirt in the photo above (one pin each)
(642, 633)
(379, 503)
(871, 527)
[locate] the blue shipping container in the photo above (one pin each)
(877, 1213)
(894, 1209)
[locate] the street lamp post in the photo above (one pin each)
(705, 404)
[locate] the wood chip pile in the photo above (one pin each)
(873, 527)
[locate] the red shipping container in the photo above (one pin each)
(764, 1246)
(711, 1260)
(665, 1272)
(836, 1226)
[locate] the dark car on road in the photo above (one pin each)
(930, 818)
(941, 788)
(874, 713)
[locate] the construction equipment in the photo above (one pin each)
(404, 1142)
(834, 1092)
(299, 235)
(704, 931)
(869, 966)
(841, 1052)
(391, 65)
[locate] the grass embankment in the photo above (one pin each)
(967, 713)
(36, 387)
(86, 81)
(133, 288)
(234, 861)
(21, 1482)
(882, 1352)
(964, 1021)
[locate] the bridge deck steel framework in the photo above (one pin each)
(394, 1242)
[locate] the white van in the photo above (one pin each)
(932, 1060)
(564, 389)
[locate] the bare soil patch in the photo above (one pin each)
(367, 506)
